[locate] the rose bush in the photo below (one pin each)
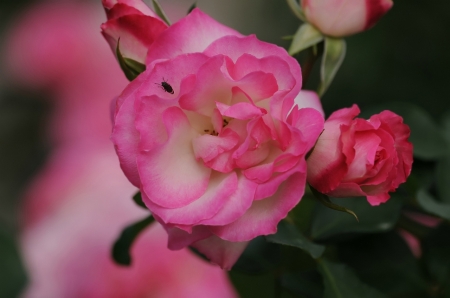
(215, 133)
(358, 157)
(340, 18)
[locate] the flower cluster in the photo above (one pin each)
(216, 132)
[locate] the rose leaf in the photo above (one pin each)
(288, 234)
(341, 282)
(121, 248)
(428, 203)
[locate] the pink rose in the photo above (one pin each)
(358, 157)
(134, 23)
(344, 17)
(211, 135)
(76, 206)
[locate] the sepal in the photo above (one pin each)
(325, 200)
(296, 9)
(305, 37)
(333, 56)
(160, 12)
(130, 67)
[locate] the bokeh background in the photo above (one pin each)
(405, 57)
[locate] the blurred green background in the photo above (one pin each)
(405, 57)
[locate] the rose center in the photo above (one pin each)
(213, 132)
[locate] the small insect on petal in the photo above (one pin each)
(166, 86)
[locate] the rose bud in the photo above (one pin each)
(135, 24)
(340, 18)
(358, 157)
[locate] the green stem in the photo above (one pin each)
(307, 66)
(278, 291)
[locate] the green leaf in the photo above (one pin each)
(325, 200)
(429, 204)
(384, 261)
(259, 257)
(328, 223)
(443, 179)
(436, 255)
(303, 284)
(333, 56)
(137, 198)
(248, 286)
(130, 67)
(121, 248)
(427, 137)
(287, 234)
(12, 274)
(193, 6)
(305, 37)
(160, 12)
(296, 9)
(341, 282)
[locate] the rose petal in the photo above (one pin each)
(263, 216)
(219, 189)
(124, 136)
(171, 176)
(309, 99)
(221, 252)
(193, 33)
(236, 205)
(136, 32)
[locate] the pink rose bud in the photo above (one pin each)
(344, 17)
(135, 24)
(215, 134)
(358, 157)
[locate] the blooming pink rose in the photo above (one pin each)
(77, 205)
(358, 157)
(344, 17)
(136, 25)
(211, 135)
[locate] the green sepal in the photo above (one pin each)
(130, 67)
(325, 200)
(121, 248)
(193, 6)
(333, 56)
(341, 282)
(137, 198)
(429, 204)
(296, 9)
(305, 37)
(288, 234)
(160, 12)
(328, 224)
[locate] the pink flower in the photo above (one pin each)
(67, 250)
(358, 157)
(211, 135)
(80, 201)
(136, 25)
(344, 17)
